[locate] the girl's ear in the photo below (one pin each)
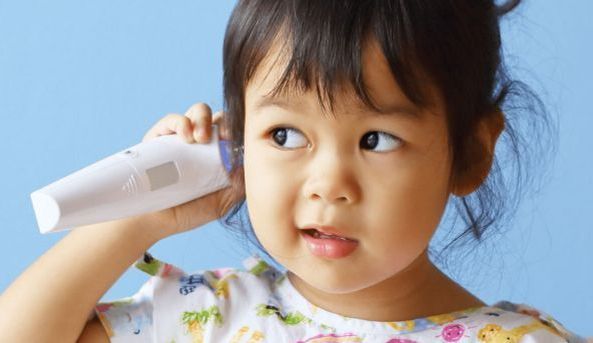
(481, 155)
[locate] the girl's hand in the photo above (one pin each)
(195, 127)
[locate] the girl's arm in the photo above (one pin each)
(53, 299)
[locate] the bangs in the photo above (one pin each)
(322, 52)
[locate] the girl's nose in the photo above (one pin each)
(331, 179)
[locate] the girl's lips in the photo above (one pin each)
(328, 247)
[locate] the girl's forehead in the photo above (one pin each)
(377, 77)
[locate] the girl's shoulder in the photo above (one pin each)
(516, 312)
(173, 303)
(256, 275)
(253, 265)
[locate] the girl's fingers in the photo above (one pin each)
(194, 126)
(170, 124)
(200, 116)
(217, 118)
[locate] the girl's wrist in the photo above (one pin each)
(143, 230)
(149, 228)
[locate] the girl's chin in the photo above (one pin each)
(322, 277)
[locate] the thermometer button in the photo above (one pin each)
(130, 153)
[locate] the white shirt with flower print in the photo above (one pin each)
(259, 304)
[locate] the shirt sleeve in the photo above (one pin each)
(130, 319)
(547, 320)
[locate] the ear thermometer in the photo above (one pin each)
(151, 176)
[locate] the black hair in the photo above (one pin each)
(455, 43)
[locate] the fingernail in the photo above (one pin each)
(201, 134)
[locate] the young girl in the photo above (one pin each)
(352, 124)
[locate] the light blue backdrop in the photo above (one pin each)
(81, 80)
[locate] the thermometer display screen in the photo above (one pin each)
(162, 175)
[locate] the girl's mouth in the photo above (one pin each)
(328, 246)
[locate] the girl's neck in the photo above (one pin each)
(421, 290)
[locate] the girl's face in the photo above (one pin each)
(380, 179)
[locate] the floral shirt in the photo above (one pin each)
(259, 304)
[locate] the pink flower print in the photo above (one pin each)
(167, 270)
(452, 332)
(220, 272)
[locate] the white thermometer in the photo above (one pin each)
(151, 176)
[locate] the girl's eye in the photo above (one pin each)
(370, 140)
(281, 135)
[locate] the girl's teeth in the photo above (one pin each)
(318, 234)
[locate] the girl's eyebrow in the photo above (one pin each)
(402, 111)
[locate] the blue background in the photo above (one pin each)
(81, 80)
